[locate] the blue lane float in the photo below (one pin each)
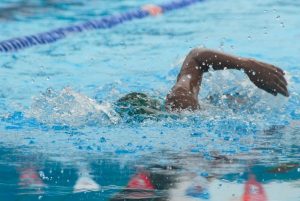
(52, 36)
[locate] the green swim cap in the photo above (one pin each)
(137, 104)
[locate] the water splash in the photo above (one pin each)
(68, 107)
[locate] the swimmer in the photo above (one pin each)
(184, 94)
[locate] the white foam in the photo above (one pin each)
(68, 107)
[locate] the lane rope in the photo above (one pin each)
(19, 43)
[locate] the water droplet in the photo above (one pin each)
(196, 134)
(278, 16)
(189, 76)
(102, 139)
(42, 175)
(249, 37)
(203, 63)
(253, 73)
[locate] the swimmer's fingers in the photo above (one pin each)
(270, 91)
(278, 70)
(275, 88)
(281, 79)
(272, 85)
(275, 81)
(281, 89)
(284, 91)
(267, 77)
(281, 85)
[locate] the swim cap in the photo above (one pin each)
(137, 104)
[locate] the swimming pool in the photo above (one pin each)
(56, 146)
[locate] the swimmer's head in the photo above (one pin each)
(137, 104)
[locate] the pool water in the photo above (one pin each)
(61, 138)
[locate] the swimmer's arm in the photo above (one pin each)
(265, 76)
(184, 94)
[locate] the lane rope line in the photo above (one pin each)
(19, 43)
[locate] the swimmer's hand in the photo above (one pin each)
(267, 77)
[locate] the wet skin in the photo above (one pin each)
(184, 94)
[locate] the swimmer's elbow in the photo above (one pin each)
(197, 55)
(199, 52)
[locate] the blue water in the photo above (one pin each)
(58, 124)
